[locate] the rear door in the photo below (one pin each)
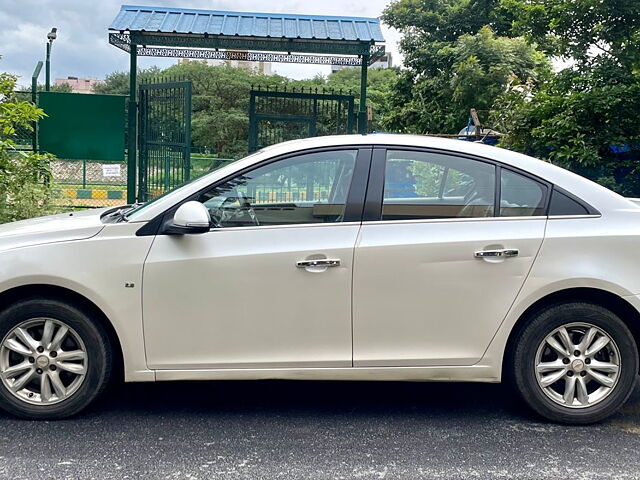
(446, 245)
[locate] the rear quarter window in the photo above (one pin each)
(562, 204)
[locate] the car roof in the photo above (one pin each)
(596, 195)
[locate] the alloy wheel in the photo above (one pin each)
(42, 361)
(577, 365)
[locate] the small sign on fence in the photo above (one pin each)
(111, 170)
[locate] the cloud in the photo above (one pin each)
(82, 48)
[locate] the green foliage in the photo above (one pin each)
(583, 30)
(221, 104)
(580, 114)
(64, 88)
(117, 83)
(24, 177)
(574, 119)
(472, 72)
(429, 25)
(380, 82)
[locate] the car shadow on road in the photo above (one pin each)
(275, 397)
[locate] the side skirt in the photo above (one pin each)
(476, 373)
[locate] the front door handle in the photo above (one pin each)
(320, 262)
(503, 253)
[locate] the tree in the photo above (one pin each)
(429, 25)
(24, 176)
(117, 83)
(585, 117)
(380, 82)
(583, 30)
(471, 72)
(64, 88)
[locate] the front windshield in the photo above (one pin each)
(139, 208)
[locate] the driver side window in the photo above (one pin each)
(309, 188)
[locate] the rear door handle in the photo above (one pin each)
(321, 262)
(504, 253)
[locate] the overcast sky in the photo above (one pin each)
(82, 48)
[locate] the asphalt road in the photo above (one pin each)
(325, 430)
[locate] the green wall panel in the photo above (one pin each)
(83, 126)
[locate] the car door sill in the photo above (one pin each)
(475, 373)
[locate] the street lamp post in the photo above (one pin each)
(51, 36)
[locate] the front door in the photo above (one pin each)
(442, 258)
(270, 284)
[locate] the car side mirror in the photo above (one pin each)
(191, 217)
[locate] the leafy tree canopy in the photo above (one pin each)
(583, 30)
(472, 72)
(585, 117)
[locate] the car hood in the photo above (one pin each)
(54, 228)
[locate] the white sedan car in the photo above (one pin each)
(380, 257)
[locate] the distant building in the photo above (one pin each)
(263, 68)
(384, 62)
(78, 85)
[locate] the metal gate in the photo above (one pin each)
(164, 138)
(277, 116)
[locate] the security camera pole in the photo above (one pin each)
(51, 36)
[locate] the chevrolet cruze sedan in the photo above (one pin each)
(380, 257)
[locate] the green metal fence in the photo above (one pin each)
(279, 115)
(90, 183)
(164, 137)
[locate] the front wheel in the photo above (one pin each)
(54, 359)
(575, 363)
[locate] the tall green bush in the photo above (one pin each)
(25, 177)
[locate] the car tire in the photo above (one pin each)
(64, 380)
(571, 387)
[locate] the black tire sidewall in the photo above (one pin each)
(543, 323)
(95, 341)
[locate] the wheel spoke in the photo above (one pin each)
(47, 333)
(26, 338)
(587, 339)
(45, 387)
(569, 390)
(552, 378)
(566, 339)
(601, 379)
(581, 391)
(545, 367)
(15, 346)
(59, 338)
(557, 346)
(598, 345)
(58, 386)
(19, 383)
(14, 370)
(606, 367)
(76, 368)
(71, 355)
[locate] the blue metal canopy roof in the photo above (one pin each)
(244, 24)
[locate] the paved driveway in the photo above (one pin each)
(326, 430)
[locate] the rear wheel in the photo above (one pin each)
(575, 363)
(54, 360)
